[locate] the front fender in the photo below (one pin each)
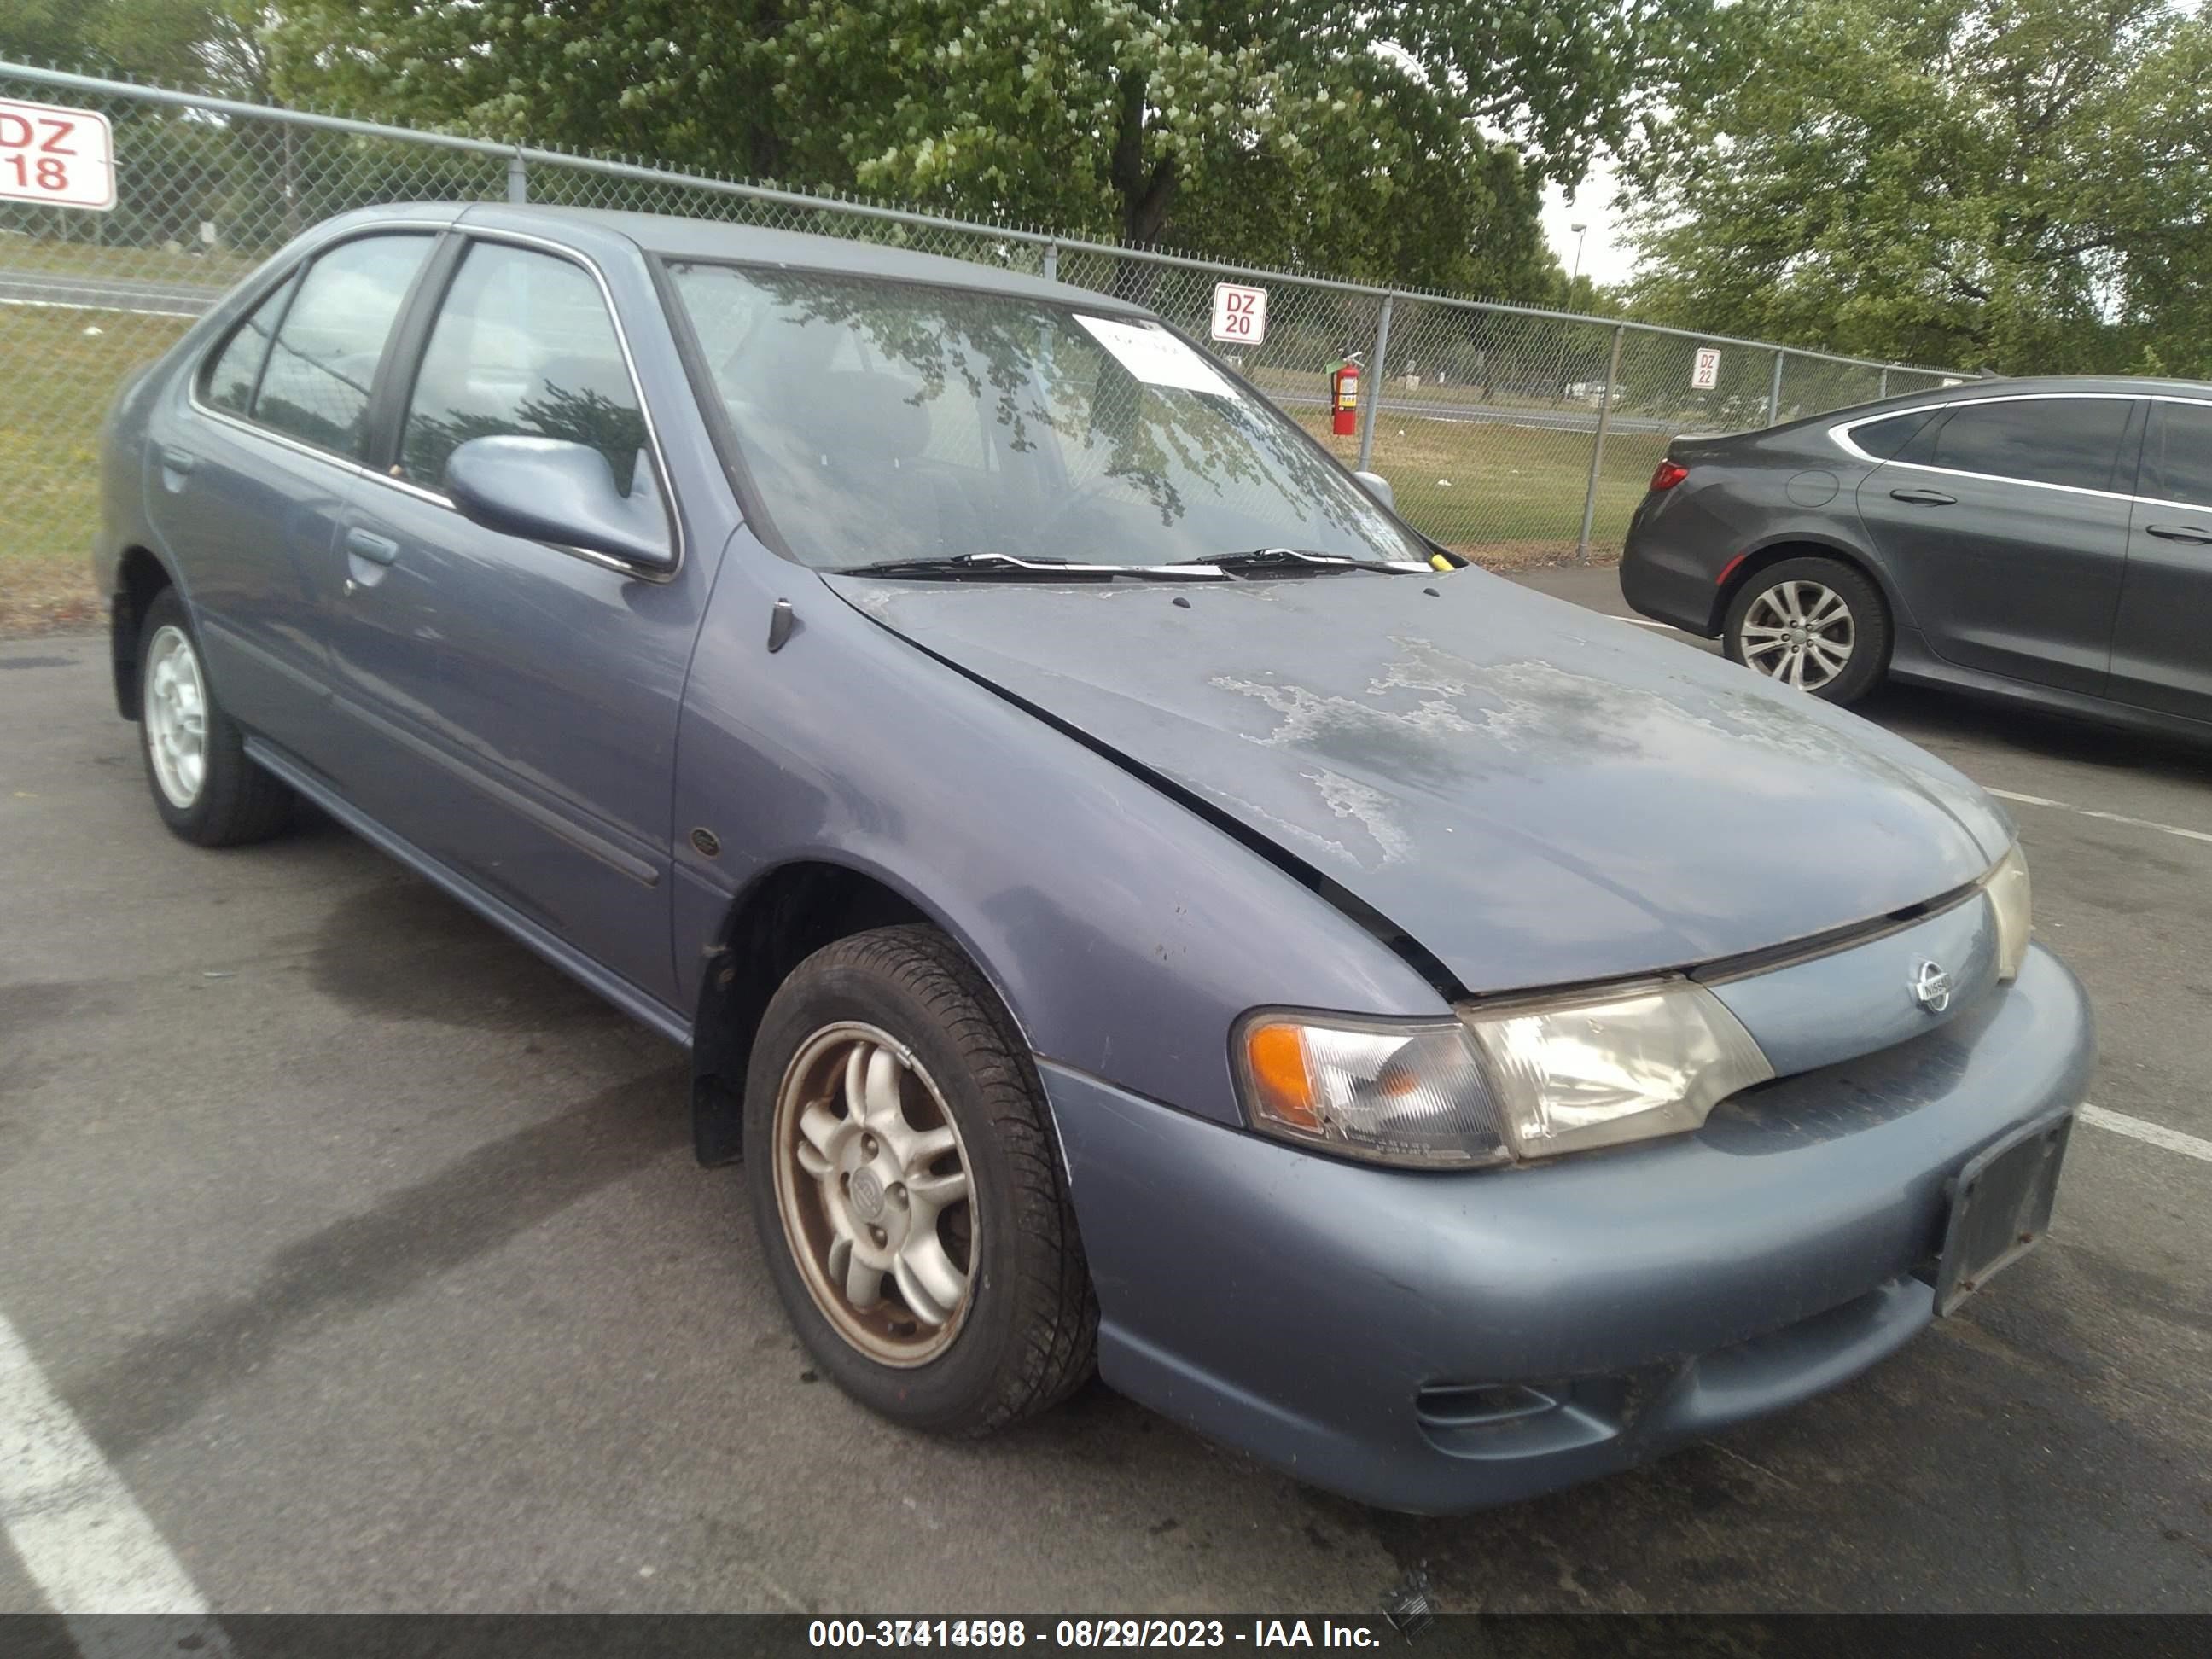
(1124, 932)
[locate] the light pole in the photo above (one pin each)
(1575, 276)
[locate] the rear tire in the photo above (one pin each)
(1815, 623)
(204, 788)
(907, 1190)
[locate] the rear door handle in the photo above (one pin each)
(1923, 498)
(377, 550)
(177, 461)
(2180, 532)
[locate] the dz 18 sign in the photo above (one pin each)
(1240, 314)
(64, 157)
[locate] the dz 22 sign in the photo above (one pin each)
(63, 157)
(1240, 314)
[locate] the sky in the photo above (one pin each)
(1605, 258)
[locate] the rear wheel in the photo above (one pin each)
(204, 788)
(1812, 622)
(907, 1190)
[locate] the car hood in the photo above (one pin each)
(1537, 793)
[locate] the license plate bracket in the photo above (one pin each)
(2001, 1205)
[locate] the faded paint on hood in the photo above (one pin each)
(1539, 794)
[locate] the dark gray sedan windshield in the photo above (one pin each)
(886, 421)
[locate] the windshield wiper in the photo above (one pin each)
(992, 567)
(1295, 558)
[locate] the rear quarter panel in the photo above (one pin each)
(1747, 495)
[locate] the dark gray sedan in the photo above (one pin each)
(1129, 900)
(2041, 541)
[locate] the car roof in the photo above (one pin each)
(2002, 386)
(678, 238)
(1972, 387)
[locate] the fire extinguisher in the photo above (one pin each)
(1344, 397)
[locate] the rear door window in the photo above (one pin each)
(1885, 439)
(523, 345)
(2176, 458)
(316, 385)
(2050, 441)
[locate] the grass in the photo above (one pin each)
(35, 255)
(58, 371)
(1505, 496)
(1508, 496)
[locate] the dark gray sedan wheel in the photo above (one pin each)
(907, 1190)
(204, 788)
(1812, 622)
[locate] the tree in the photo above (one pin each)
(1407, 140)
(2016, 183)
(210, 46)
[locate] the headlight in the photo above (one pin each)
(1394, 1092)
(1525, 1080)
(2010, 899)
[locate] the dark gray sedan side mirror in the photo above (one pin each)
(1379, 488)
(552, 490)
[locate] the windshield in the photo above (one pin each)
(882, 421)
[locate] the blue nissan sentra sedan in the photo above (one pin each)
(1131, 902)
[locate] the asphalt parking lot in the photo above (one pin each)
(370, 1254)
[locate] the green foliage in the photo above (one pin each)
(210, 45)
(2020, 183)
(1408, 141)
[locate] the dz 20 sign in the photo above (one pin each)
(1240, 314)
(64, 157)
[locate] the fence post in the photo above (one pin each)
(1375, 371)
(1597, 445)
(1885, 383)
(1052, 262)
(1774, 392)
(517, 178)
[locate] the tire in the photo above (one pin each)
(204, 787)
(1022, 1333)
(1765, 631)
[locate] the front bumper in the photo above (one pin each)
(1439, 1342)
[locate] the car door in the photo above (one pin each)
(2005, 528)
(249, 469)
(2162, 641)
(513, 702)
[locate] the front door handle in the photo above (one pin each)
(377, 550)
(177, 461)
(2180, 532)
(1923, 498)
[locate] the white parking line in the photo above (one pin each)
(2156, 1134)
(2091, 812)
(81, 1536)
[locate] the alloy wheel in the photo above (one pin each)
(872, 1186)
(176, 713)
(1799, 632)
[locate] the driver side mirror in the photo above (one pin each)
(1379, 488)
(551, 491)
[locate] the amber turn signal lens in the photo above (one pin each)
(1278, 1057)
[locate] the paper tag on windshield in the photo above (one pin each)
(1156, 356)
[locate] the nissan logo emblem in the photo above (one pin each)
(1931, 987)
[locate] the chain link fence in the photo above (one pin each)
(1515, 435)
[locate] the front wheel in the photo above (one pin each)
(907, 1190)
(1812, 622)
